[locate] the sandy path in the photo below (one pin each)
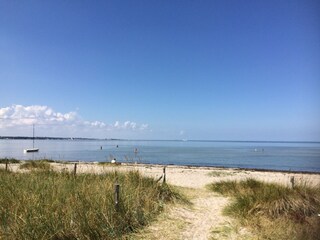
(194, 221)
(205, 215)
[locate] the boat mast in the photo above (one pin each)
(33, 136)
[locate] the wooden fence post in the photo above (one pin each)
(292, 182)
(164, 174)
(116, 195)
(7, 165)
(75, 169)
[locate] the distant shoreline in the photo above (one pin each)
(149, 140)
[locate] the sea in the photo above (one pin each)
(285, 156)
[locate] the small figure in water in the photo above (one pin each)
(136, 150)
(100, 147)
(117, 146)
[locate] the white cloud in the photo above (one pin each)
(18, 115)
(128, 125)
(117, 124)
(144, 126)
(44, 116)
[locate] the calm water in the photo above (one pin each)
(267, 155)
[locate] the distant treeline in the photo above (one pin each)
(48, 138)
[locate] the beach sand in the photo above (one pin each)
(187, 176)
(195, 177)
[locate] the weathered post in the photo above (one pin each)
(116, 195)
(164, 174)
(7, 165)
(75, 169)
(292, 182)
(159, 178)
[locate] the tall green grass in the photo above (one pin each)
(51, 205)
(272, 210)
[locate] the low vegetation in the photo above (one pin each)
(52, 205)
(273, 211)
(220, 174)
(36, 164)
(109, 163)
(9, 160)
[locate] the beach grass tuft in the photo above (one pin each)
(9, 160)
(52, 205)
(109, 164)
(274, 211)
(219, 174)
(36, 165)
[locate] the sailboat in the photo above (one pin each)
(33, 149)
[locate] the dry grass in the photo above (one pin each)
(274, 211)
(37, 164)
(220, 174)
(51, 205)
(9, 160)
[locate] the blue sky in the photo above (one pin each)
(228, 70)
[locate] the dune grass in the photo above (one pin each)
(219, 174)
(9, 160)
(273, 211)
(36, 164)
(109, 164)
(51, 205)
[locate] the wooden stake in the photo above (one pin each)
(164, 174)
(7, 165)
(159, 178)
(116, 195)
(75, 169)
(292, 181)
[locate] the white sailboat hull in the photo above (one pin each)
(31, 150)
